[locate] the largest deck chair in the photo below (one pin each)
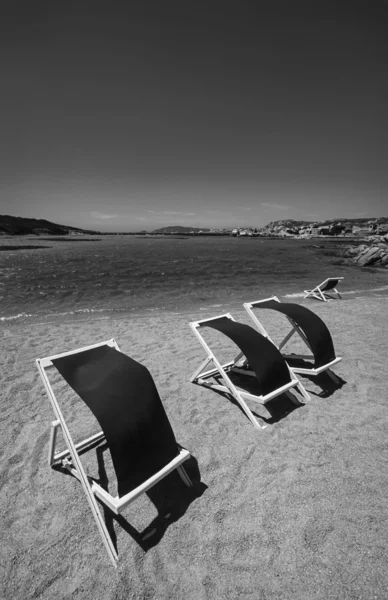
(320, 292)
(272, 373)
(122, 395)
(309, 327)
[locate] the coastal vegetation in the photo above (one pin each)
(25, 226)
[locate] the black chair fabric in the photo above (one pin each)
(315, 330)
(329, 285)
(122, 395)
(263, 357)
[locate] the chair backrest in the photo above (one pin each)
(329, 284)
(122, 395)
(315, 330)
(263, 357)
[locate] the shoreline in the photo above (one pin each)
(125, 278)
(85, 315)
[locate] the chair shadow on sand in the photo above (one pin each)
(170, 497)
(279, 407)
(322, 380)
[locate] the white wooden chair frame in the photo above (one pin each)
(70, 459)
(320, 294)
(294, 329)
(201, 377)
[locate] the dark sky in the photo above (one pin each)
(118, 116)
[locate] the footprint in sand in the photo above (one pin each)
(316, 533)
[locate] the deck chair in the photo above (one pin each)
(123, 397)
(272, 373)
(311, 329)
(320, 292)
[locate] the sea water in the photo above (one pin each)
(110, 275)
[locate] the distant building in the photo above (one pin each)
(324, 230)
(336, 228)
(360, 230)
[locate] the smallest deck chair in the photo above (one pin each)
(272, 373)
(123, 397)
(320, 292)
(311, 329)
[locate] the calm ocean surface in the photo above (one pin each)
(113, 275)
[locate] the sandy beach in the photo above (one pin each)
(297, 511)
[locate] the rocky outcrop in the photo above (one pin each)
(369, 256)
(378, 239)
(180, 229)
(333, 227)
(285, 228)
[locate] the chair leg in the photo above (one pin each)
(104, 533)
(291, 397)
(247, 410)
(323, 296)
(200, 369)
(333, 376)
(53, 441)
(107, 541)
(301, 388)
(303, 391)
(184, 476)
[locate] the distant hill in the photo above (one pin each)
(22, 226)
(180, 229)
(287, 223)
